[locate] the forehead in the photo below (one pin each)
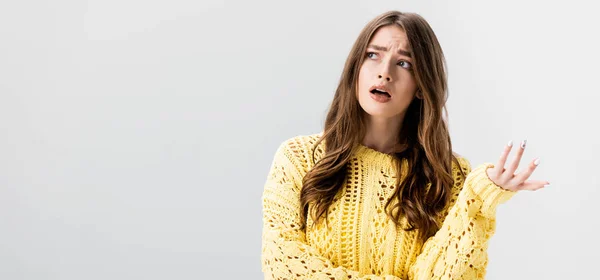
(390, 35)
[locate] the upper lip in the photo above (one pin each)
(380, 88)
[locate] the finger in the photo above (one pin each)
(531, 185)
(499, 168)
(524, 175)
(510, 171)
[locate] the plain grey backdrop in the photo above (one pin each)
(136, 136)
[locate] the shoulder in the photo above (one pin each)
(464, 163)
(300, 143)
(299, 149)
(301, 140)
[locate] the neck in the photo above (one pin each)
(382, 133)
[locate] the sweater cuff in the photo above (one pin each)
(490, 194)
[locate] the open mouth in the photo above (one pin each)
(380, 92)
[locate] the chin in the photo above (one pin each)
(377, 111)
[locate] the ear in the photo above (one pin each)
(418, 94)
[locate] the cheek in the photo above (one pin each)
(409, 81)
(363, 77)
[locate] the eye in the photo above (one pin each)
(405, 64)
(369, 54)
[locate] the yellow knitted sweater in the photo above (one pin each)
(360, 240)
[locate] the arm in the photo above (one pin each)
(459, 249)
(285, 253)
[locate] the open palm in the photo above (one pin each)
(506, 177)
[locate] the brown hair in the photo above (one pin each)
(425, 140)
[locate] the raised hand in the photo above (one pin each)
(506, 177)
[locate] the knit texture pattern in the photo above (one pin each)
(359, 240)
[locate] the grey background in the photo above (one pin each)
(136, 135)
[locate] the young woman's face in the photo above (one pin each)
(388, 64)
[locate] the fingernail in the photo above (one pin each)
(537, 162)
(523, 144)
(510, 143)
(547, 185)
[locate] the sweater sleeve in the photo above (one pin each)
(458, 250)
(285, 252)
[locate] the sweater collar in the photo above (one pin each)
(376, 160)
(372, 153)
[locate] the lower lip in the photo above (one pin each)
(380, 98)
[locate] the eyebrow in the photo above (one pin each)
(380, 48)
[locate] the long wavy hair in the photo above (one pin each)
(425, 141)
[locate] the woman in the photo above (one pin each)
(379, 194)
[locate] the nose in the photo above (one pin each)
(385, 71)
(387, 77)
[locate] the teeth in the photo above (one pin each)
(379, 90)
